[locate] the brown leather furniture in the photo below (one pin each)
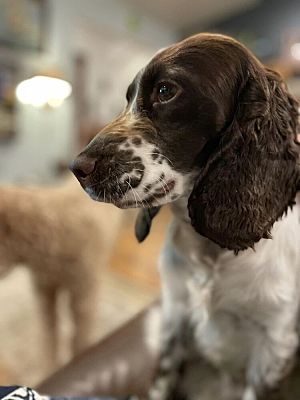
(124, 364)
(120, 365)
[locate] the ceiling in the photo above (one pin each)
(180, 14)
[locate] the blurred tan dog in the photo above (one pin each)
(65, 240)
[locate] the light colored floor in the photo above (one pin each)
(129, 284)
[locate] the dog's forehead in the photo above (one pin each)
(173, 57)
(163, 61)
(174, 51)
(179, 55)
(166, 55)
(201, 44)
(162, 58)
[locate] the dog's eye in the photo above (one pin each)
(165, 92)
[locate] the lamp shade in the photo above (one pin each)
(42, 90)
(295, 51)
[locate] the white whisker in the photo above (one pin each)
(164, 185)
(159, 154)
(99, 183)
(137, 194)
(128, 183)
(153, 195)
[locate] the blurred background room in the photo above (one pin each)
(64, 69)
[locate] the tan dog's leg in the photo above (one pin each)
(47, 296)
(84, 304)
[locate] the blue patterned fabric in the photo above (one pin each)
(24, 393)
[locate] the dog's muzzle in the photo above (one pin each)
(106, 171)
(123, 166)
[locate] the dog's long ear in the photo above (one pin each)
(253, 173)
(144, 221)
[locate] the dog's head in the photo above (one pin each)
(205, 119)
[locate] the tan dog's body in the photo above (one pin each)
(64, 239)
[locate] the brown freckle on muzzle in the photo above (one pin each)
(127, 154)
(147, 187)
(137, 141)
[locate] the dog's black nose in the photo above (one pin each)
(83, 166)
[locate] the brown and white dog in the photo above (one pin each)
(210, 129)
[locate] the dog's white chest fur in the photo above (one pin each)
(234, 303)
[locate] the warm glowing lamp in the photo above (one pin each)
(43, 90)
(295, 51)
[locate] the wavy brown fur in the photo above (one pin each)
(253, 173)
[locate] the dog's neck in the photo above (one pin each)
(179, 209)
(187, 238)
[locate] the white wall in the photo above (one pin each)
(113, 62)
(45, 137)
